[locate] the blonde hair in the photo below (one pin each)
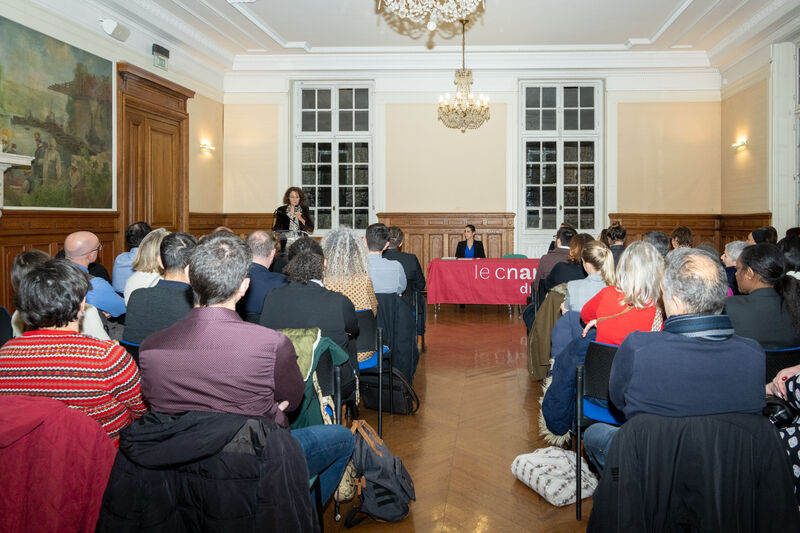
(345, 256)
(599, 255)
(149, 251)
(639, 274)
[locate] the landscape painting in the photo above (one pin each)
(55, 105)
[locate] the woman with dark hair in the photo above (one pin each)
(768, 310)
(573, 268)
(469, 247)
(293, 216)
(766, 234)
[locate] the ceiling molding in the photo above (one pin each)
(266, 28)
(669, 22)
(762, 16)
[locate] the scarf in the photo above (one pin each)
(708, 327)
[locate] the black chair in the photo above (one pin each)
(397, 319)
(420, 312)
(777, 360)
(6, 330)
(591, 381)
(371, 339)
(132, 349)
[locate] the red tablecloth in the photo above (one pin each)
(480, 281)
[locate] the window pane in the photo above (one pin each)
(309, 121)
(362, 197)
(587, 119)
(362, 152)
(324, 153)
(548, 96)
(571, 216)
(587, 174)
(570, 119)
(531, 119)
(587, 96)
(571, 197)
(324, 219)
(345, 197)
(532, 219)
(587, 196)
(532, 197)
(346, 120)
(571, 151)
(362, 121)
(345, 98)
(533, 152)
(311, 196)
(587, 152)
(362, 175)
(324, 196)
(570, 97)
(549, 174)
(587, 218)
(309, 175)
(362, 98)
(571, 174)
(549, 119)
(324, 174)
(324, 120)
(345, 175)
(346, 218)
(532, 175)
(309, 98)
(345, 152)
(549, 151)
(323, 99)
(309, 152)
(548, 196)
(549, 218)
(532, 96)
(362, 219)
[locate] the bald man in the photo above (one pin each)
(81, 248)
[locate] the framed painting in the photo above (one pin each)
(56, 105)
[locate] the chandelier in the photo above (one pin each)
(434, 10)
(463, 112)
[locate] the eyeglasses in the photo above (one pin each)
(99, 247)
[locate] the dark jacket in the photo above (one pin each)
(616, 251)
(411, 266)
(282, 219)
(477, 246)
(399, 333)
(562, 273)
(201, 471)
(760, 315)
(724, 472)
(261, 282)
(152, 309)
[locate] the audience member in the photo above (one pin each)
(766, 234)
(793, 232)
(572, 269)
(598, 262)
(123, 264)
(81, 248)
(603, 237)
(562, 225)
(470, 248)
(54, 360)
(146, 268)
(154, 308)
(695, 367)
(732, 252)
(304, 244)
(768, 310)
(560, 254)
(387, 276)
(659, 239)
(616, 240)
(214, 361)
(90, 323)
(681, 237)
(632, 304)
(261, 279)
(415, 279)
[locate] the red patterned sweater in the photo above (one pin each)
(95, 376)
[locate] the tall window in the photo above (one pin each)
(561, 126)
(333, 147)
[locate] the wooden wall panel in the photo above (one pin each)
(241, 223)
(433, 235)
(715, 229)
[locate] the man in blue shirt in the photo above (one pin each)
(82, 248)
(262, 280)
(387, 276)
(123, 268)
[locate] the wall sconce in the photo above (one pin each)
(206, 147)
(741, 143)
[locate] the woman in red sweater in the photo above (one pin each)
(633, 303)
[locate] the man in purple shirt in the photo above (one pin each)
(214, 361)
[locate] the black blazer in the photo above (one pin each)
(477, 246)
(282, 219)
(760, 315)
(411, 266)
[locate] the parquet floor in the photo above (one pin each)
(479, 411)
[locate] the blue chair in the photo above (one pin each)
(370, 338)
(591, 383)
(777, 360)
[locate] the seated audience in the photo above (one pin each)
(54, 360)
(696, 366)
(616, 240)
(681, 237)
(572, 269)
(598, 262)
(766, 234)
(154, 308)
(793, 232)
(603, 237)
(768, 310)
(659, 239)
(560, 254)
(262, 280)
(90, 323)
(415, 279)
(214, 361)
(123, 264)
(563, 225)
(732, 252)
(470, 248)
(387, 276)
(146, 268)
(632, 304)
(81, 248)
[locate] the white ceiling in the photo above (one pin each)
(224, 34)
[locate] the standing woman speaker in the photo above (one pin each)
(292, 217)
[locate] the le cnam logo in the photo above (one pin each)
(508, 274)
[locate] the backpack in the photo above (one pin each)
(406, 401)
(384, 484)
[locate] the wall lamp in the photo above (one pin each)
(206, 147)
(741, 143)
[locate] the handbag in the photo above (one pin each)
(551, 473)
(406, 401)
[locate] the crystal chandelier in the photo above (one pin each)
(434, 10)
(463, 112)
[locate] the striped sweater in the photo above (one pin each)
(95, 376)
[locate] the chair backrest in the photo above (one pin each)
(132, 349)
(367, 329)
(777, 360)
(6, 331)
(514, 256)
(599, 358)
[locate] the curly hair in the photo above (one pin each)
(346, 255)
(300, 193)
(304, 267)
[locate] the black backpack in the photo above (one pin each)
(384, 485)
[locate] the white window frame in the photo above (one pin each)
(334, 137)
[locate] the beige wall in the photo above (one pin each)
(669, 157)
(251, 158)
(745, 188)
(205, 169)
(433, 168)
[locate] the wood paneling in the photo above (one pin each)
(46, 231)
(433, 235)
(715, 229)
(241, 223)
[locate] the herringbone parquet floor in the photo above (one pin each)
(479, 411)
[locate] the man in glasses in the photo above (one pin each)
(82, 248)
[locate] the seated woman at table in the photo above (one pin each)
(469, 247)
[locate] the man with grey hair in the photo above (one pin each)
(695, 366)
(732, 252)
(659, 239)
(262, 280)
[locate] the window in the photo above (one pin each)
(561, 143)
(333, 143)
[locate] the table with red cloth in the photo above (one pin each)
(480, 281)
